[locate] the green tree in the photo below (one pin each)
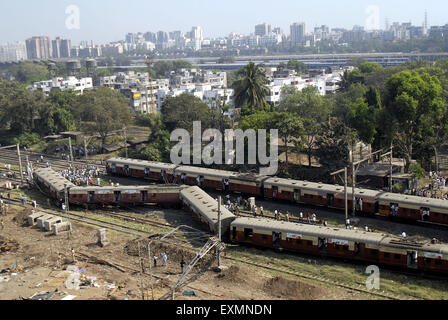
(103, 111)
(307, 103)
(362, 117)
(251, 88)
(181, 111)
(411, 98)
(28, 72)
(298, 66)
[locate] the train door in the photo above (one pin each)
(322, 245)
(274, 191)
(377, 207)
(412, 259)
(330, 200)
(144, 196)
(426, 213)
(200, 181)
(147, 172)
(234, 234)
(394, 207)
(117, 196)
(91, 197)
(297, 195)
(225, 185)
(276, 239)
(357, 249)
(114, 168)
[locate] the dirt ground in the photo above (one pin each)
(33, 262)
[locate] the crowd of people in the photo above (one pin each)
(82, 176)
(247, 205)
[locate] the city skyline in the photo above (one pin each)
(104, 23)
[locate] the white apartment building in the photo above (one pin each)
(61, 84)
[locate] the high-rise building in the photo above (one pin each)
(298, 33)
(263, 29)
(61, 48)
(39, 48)
(196, 37)
(13, 52)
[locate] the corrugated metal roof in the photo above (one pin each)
(205, 172)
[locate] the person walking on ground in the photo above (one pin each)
(164, 259)
(2, 226)
(182, 265)
(155, 261)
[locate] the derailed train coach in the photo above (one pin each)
(206, 209)
(51, 183)
(126, 195)
(358, 245)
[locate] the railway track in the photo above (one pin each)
(187, 245)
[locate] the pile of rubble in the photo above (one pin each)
(8, 245)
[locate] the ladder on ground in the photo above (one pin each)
(211, 243)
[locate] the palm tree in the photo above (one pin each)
(251, 87)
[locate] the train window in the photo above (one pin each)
(248, 233)
(427, 261)
(309, 243)
(386, 255)
(264, 237)
(337, 247)
(438, 262)
(374, 252)
(299, 241)
(397, 256)
(346, 248)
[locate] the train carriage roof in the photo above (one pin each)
(320, 187)
(52, 178)
(414, 200)
(308, 230)
(142, 163)
(151, 188)
(207, 206)
(205, 172)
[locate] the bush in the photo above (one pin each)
(28, 139)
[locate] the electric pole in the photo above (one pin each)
(20, 163)
(150, 269)
(353, 184)
(345, 192)
(125, 141)
(218, 252)
(85, 149)
(71, 150)
(391, 165)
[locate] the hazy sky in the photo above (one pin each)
(109, 20)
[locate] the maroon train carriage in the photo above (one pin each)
(247, 183)
(349, 244)
(319, 194)
(203, 177)
(155, 171)
(414, 208)
(51, 183)
(206, 209)
(126, 195)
